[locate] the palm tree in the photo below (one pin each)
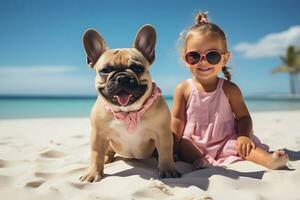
(291, 65)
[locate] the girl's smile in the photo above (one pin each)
(204, 69)
(197, 56)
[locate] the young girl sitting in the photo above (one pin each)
(210, 120)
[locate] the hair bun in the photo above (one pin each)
(201, 18)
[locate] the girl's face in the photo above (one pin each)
(203, 70)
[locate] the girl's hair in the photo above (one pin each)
(226, 73)
(203, 26)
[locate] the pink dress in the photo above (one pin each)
(211, 125)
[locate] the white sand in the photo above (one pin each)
(43, 159)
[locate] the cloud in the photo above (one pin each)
(271, 45)
(65, 80)
(46, 80)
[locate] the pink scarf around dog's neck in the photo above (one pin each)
(132, 118)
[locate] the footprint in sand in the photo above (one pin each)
(78, 136)
(52, 154)
(79, 186)
(6, 163)
(44, 175)
(10, 163)
(35, 184)
(5, 180)
(3, 163)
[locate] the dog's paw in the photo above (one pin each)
(93, 175)
(168, 173)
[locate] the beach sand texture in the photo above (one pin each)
(43, 159)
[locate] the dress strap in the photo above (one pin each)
(220, 83)
(191, 83)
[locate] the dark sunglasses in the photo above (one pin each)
(213, 57)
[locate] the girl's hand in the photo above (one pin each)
(244, 146)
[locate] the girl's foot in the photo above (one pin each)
(200, 163)
(279, 159)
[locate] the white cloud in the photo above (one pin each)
(65, 80)
(271, 45)
(46, 80)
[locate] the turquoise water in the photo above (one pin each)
(13, 107)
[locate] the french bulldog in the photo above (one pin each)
(130, 116)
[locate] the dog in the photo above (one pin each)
(130, 116)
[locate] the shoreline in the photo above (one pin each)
(84, 117)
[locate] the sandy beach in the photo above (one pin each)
(43, 159)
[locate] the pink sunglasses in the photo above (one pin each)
(213, 57)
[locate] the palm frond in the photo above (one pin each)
(297, 62)
(283, 69)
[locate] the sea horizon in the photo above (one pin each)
(280, 96)
(57, 106)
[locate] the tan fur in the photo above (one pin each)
(108, 133)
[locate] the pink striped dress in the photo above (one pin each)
(211, 125)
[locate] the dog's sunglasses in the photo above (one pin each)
(213, 57)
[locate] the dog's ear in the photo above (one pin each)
(145, 42)
(94, 46)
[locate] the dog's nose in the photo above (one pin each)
(124, 80)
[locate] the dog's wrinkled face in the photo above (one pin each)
(122, 75)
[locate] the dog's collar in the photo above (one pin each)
(132, 118)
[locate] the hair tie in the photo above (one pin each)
(203, 20)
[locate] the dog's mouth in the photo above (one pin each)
(123, 98)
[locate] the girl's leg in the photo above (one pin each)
(189, 153)
(275, 160)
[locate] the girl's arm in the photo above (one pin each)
(244, 121)
(239, 110)
(178, 111)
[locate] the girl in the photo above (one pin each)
(210, 120)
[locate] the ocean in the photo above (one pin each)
(14, 107)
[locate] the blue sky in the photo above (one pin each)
(41, 49)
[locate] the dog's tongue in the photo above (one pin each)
(123, 98)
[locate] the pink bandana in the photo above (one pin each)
(132, 118)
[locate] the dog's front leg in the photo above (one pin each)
(164, 145)
(99, 144)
